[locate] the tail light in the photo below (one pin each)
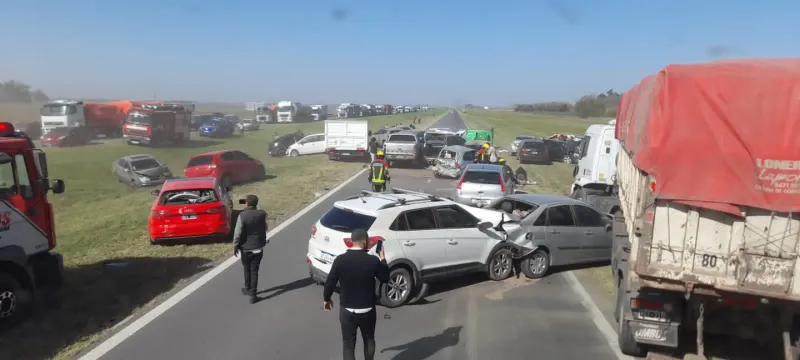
(460, 181)
(373, 240)
(458, 166)
(313, 229)
(502, 184)
(157, 214)
(359, 149)
(652, 185)
(642, 304)
(216, 210)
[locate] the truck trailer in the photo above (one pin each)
(292, 111)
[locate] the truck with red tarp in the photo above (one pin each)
(707, 237)
(157, 125)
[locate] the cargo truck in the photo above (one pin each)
(319, 112)
(707, 238)
(347, 139)
(292, 111)
(97, 118)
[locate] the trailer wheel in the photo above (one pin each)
(10, 302)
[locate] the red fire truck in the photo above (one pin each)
(157, 124)
(28, 264)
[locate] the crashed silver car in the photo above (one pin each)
(452, 161)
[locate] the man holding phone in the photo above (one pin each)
(355, 271)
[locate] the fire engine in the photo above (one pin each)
(157, 124)
(28, 264)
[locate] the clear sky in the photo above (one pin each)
(411, 51)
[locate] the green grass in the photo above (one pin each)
(100, 221)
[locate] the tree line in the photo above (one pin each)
(597, 105)
(17, 92)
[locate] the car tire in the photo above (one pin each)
(536, 265)
(11, 304)
(567, 159)
(260, 175)
(501, 265)
(227, 180)
(294, 153)
(398, 290)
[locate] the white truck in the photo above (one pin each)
(319, 112)
(707, 238)
(596, 169)
(346, 111)
(293, 111)
(347, 139)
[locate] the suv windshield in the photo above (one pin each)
(138, 119)
(403, 138)
(144, 164)
(187, 197)
(200, 160)
(345, 221)
(482, 177)
(285, 108)
(58, 110)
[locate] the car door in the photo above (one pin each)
(466, 245)
(422, 243)
(597, 237)
(246, 165)
(120, 171)
(231, 166)
(564, 238)
(318, 144)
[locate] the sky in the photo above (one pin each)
(379, 51)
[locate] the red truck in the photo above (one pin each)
(95, 118)
(28, 264)
(157, 125)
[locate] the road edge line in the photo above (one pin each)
(599, 320)
(112, 342)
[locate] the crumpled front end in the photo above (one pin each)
(447, 171)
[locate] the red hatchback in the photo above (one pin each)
(228, 166)
(190, 209)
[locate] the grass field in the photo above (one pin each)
(111, 270)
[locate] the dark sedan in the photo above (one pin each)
(557, 150)
(280, 143)
(533, 151)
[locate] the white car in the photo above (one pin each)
(248, 125)
(425, 238)
(311, 144)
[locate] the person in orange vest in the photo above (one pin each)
(379, 173)
(482, 156)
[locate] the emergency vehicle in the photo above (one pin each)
(28, 264)
(157, 124)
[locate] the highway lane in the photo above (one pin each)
(463, 319)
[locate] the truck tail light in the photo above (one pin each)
(313, 230)
(158, 214)
(460, 181)
(643, 304)
(373, 240)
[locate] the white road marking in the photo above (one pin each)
(151, 315)
(600, 321)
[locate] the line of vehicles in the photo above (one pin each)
(293, 111)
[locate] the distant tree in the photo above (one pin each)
(603, 104)
(17, 92)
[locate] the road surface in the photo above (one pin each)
(470, 319)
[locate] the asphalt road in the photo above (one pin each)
(471, 319)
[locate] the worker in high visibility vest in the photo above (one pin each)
(481, 156)
(379, 173)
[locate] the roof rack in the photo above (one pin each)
(399, 201)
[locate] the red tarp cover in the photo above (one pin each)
(720, 134)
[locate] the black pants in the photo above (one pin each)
(251, 263)
(351, 323)
(379, 187)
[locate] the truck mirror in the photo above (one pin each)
(43, 164)
(58, 186)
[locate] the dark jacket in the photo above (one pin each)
(355, 271)
(373, 147)
(251, 229)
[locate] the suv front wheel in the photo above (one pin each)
(501, 264)
(397, 291)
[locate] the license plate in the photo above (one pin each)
(345, 153)
(189, 217)
(651, 315)
(326, 257)
(649, 334)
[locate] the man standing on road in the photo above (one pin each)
(373, 148)
(249, 239)
(355, 271)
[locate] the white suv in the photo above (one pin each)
(425, 238)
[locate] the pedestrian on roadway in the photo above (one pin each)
(373, 148)
(249, 240)
(355, 271)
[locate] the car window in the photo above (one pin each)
(23, 179)
(400, 224)
(533, 145)
(560, 216)
(420, 220)
(403, 138)
(541, 220)
(345, 220)
(238, 155)
(380, 131)
(588, 216)
(144, 164)
(187, 197)
(482, 177)
(228, 156)
(200, 160)
(468, 156)
(585, 145)
(456, 140)
(453, 217)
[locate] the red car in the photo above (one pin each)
(65, 136)
(228, 166)
(190, 209)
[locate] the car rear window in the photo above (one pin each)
(482, 177)
(187, 197)
(144, 164)
(403, 138)
(346, 221)
(533, 145)
(200, 160)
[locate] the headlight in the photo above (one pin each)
(144, 179)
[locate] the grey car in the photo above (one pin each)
(140, 170)
(483, 183)
(551, 230)
(452, 161)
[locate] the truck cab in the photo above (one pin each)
(596, 169)
(157, 125)
(27, 263)
(62, 113)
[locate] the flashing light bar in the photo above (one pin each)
(6, 128)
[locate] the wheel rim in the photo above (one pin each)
(293, 153)
(538, 263)
(8, 304)
(397, 288)
(567, 159)
(501, 264)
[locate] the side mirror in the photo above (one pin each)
(485, 225)
(127, 170)
(608, 227)
(155, 192)
(43, 164)
(529, 236)
(58, 186)
(242, 202)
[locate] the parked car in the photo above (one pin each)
(517, 141)
(452, 161)
(228, 166)
(311, 144)
(533, 151)
(248, 125)
(412, 228)
(234, 119)
(199, 120)
(404, 146)
(557, 149)
(66, 136)
(432, 144)
(552, 230)
(217, 128)
(573, 146)
(190, 209)
(483, 183)
(281, 143)
(140, 170)
(381, 135)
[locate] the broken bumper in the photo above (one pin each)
(447, 172)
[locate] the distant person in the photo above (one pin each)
(249, 239)
(491, 151)
(373, 148)
(379, 173)
(480, 156)
(355, 271)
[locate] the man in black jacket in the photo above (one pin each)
(249, 239)
(355, 271)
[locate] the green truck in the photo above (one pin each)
(480, 135)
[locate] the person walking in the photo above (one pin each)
(249, 240)
(373, 148)
(491, 151)
(379, 173)
(355, 271)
